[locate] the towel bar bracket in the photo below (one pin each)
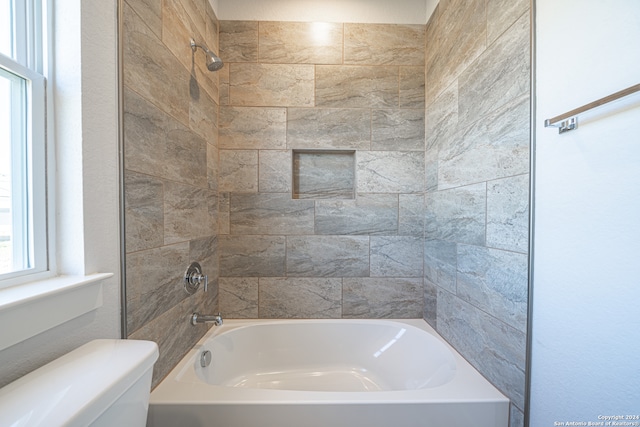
(563, 126)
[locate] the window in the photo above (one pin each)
(23, 219)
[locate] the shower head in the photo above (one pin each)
(214, 63)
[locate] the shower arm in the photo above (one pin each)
(195, 46)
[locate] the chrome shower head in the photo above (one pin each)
(214, 63)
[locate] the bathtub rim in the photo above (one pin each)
(182, 387)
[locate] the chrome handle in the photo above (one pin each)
(193, 278)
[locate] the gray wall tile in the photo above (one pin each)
(171, 184)
(238, 171)
(159, 145)
(274, 171)
(252, 128)
(457, 215)
(499, 75)
(399, 130)
(344, 86)
(501, 14)
(239, 297)
(498, 352)
(252, 256)
(396, 256)
(275, 85)
(203, 118)
(508, 213)
(495, 147)
(412, 87)
(142, 51)
(384, 44)
(327, 256)
(441, 263)
(150, 11)
(411, 214)
(144, 211)
(516, 417)
(368, 214)
(187, 212)
(328, 128)
(456, 35)
(377, 298)
(494, 281)
(298, 42)
(273, 213)
(224, 201)
(477, 161)
(300, 298)
(430, 313)
(154, 282)
(239, 41)
(390, 172)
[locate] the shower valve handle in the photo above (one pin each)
(193, 278)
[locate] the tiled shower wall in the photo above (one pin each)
(477, 165)
(170, 125)
(342, 90)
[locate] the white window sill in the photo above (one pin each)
(29, 309)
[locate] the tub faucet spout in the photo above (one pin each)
(196, 318)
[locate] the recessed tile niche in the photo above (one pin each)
(324, 174)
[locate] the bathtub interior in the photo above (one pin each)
(192, 396)
(327, 356)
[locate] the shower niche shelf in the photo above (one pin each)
(324, 174)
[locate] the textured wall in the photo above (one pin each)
(356, 88)
(170, 129)
(476, 202)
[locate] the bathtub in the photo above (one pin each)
(319, 373)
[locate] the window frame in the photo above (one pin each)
(28, 63)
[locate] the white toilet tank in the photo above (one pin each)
(103, 383)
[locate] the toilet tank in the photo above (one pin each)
(102, 383)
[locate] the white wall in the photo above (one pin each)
(364, 11)
(85, 81)
(586, 302)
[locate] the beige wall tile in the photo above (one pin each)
(252, 127)
(142, 52)
(239, 41)
(275, 85)
(457, 37)
(391, 44)
(399, 130)
(159, 145)
(345, 86)
(300, 42)
(187, 213)
(274, 174)
(150, 11)
(501, 14)
(412, 87)
(238, 171)
(328, 128)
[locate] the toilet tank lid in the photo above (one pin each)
(77, 386)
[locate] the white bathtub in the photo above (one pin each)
(318, 373)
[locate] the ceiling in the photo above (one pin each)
(362, 11)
